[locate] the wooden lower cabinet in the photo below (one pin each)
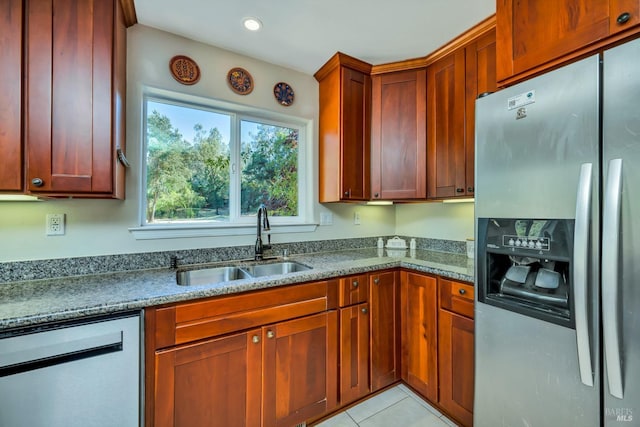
(354, 353)
(384, 299)
(456, 350)
(455, 355)
(420, 333)
(299, 369)
(214, 383)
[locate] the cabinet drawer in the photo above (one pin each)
(353, 290)
(203, 319)
(456, 297)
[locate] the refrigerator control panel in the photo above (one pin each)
(536, 243)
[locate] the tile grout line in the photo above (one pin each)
(385, 408)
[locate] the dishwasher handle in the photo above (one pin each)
(25, 360)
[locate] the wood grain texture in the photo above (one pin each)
(420, 333)
(353, 290)
(354, 353)
(399, 136)
(11, 178)
(384, 305)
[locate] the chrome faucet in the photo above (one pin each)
(263, 225)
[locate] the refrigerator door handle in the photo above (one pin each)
(580, 270)
(610, 263)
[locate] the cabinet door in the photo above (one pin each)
(531, 33)
(355, 161)
(456, 364)
(420, 333)
(480, 70)
(354, 353)
(11, 95)
(385, 321)
(398, 137)
(212, 383)
(446, 124)
(73, 51)
(300, 369)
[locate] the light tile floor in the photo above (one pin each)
(397, 406)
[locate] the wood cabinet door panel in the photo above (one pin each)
(456, 365)
(355, 161)
(617, 8)
(299, 381)
(420, 333)
(354, 353)
(71, 49)
(398, 137)
(446, 124)
(215, 383)
(11, 95)
(353, 290)
(385, 321)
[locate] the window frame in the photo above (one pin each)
(237, 225)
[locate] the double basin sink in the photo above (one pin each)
(227, 273)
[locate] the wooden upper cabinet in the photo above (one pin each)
(345, 113)
(445, 107)
(398, 136)
(74, 97)
(11, 95)
(537, 34)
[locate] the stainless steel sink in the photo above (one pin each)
(208, 276)
(276, 268)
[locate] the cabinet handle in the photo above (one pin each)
(462, 291)
(37, 182)
(376, 280)
(470, 189)
(355, 283)
(122, 158)
(459, 190)
(255, 339)
(623, 18)
(347, 193)
(270, 334)
(376, 195)
(364, 310)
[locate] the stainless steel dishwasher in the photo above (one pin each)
(84, 373)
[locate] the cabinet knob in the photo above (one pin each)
(470, 189)
(37, 182)
(462, 291)
(376, 280)
(459, 190)
(623, 18)
(364, 310)
(355, 283)
(347, 193)
(376, 195)
(270, 334)
(255, 339)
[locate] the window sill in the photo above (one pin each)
(150, 232)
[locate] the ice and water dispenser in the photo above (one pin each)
(524, 265)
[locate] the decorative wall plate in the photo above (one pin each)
(184, 69)
(283, 93)
(240, 81)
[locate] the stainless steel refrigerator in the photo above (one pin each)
(557, 323)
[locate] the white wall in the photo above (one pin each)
(100, 227)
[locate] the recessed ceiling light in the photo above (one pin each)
(252, 24)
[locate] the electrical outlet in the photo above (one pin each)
(55, 224)
(356, 218)
(326, 218)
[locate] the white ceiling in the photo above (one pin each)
(304, 34)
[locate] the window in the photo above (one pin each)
(208, 166)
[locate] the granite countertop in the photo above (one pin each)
(29, 303)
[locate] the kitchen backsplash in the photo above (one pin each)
(64, 267)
